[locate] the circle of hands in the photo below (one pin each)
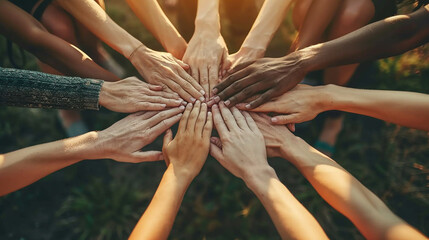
(185, 91)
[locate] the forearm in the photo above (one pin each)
(319, 16)
(25, 166)
(381, 39)
(347, 195)
(266, 24)
(291, 219)
(151, 15)
(403, 108)
(207, 18)
(90, 14)
(24, 88)
(158, 219)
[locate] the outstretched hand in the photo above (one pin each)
(187, 152)
(132, 95)
(241, 148)
(269, 77)
(160, 68)
(124, 140)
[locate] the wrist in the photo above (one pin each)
(252, 52)
(84, 146)
(329, 97)
(258, 176)
(181, 176)
(299, 150)
(104, 93)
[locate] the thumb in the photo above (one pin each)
(149, 156)
(285, 119)
(217, 153)
(168, 137)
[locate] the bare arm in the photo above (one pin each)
(338, 187)
(27, 32)
(241, 151)
(303, 103)
(151, 15)
(265, 26)
(185, 155)
(122, 142)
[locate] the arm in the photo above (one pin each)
(151, 15)
(338, 187)
(303, 103)
(241, 150)
(265, 26)
(207, 51)
(21, 28)
(276, 76)
(319, 16)
(185, 156)
(122, 142)
(155, 67)
(24, 88)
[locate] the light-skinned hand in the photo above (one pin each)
(161, 68)
(302, 103)
(241, 147)
(188, 151)
(132, 95)
(206, 54)
(124, 140)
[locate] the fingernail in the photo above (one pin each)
(202, 99)
(217, 99)
(202, 92)
(248, 106)
(189, 105)
(214, 91)
(224, 73)
(193, 99)
(176, 94)
(182, 107)
(164, 105)
(227, 102)
(274, 119)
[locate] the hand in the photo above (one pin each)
(188, 151)
(276, 136)
(206, 55)
(302, 103)
(123, 140)
(132, 95)
(241, 147)
(163, 69)
(272, 76)
(244, 55)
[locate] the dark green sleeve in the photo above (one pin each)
(23, 88)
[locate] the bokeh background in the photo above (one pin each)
(103, 199)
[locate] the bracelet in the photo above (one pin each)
(135, 50)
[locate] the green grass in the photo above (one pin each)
(103, 199)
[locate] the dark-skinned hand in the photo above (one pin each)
(269, 77)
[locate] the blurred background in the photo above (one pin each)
(104, 199)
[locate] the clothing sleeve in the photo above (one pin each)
(23, 88)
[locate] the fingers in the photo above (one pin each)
(182, 64)
(218, 121)
(265, 97)
(207, 131)
(285, 119)
(193, 116)
(174, 85)
(160, 116)
(266, 107)
(195, 74)
(201, 120)
(217, 153)
(241, 121)
(149, 156)
(247, 92)
(213, 72)
(184, 120)
(228, 117)
(216, 141)
(204, 78)
(192, 81)
(250, 122)
(218, 89)
(164, 125)
(190, 85)
(291, 126)
(168, 137)
(225, 65)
